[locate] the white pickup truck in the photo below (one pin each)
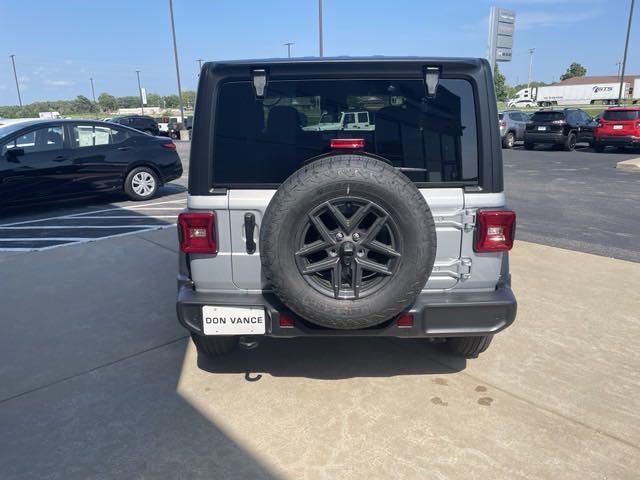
(353, 120)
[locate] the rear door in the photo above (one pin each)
(100, 156)
(433, 141)
(620, 122)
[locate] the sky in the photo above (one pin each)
(59, 45)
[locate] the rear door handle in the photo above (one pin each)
(249, 228)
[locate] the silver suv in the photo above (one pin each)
(398, 230)
(513, 124)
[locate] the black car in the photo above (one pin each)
(139, 122)
(562, 128)
(62, 158)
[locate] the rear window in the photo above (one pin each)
(620, 115)
(547, 116)
(263, 141)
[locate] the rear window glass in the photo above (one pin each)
(547, 116)
(263, 141)
(619, 115)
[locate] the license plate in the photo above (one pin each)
(542, 129)
(233, 320)
(617, 127)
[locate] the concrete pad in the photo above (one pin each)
(74, 308)
(556, 395)
(574, 347)
(167, 238)
(630, 165)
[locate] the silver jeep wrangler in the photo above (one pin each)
(397, 230)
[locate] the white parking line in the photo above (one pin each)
(129, 212)
(134, 207)
(118, 216)
(69, 227)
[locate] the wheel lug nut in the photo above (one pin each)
(339, 236)
(356, 236)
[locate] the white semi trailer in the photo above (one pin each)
(600, 93)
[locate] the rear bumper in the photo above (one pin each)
(616, 140)
(553, 138)
(434, 314)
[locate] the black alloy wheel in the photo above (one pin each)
(348, 248)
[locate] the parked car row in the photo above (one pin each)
(564, 128)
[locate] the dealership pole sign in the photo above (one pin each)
(502, 24)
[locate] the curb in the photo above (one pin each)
(631, 165)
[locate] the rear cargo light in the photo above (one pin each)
(405, 320)
(337, 143)
(196, 231)
(169, 145)
(286, 320)
(495, 230)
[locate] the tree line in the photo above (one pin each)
(504, 91)
(106, 103)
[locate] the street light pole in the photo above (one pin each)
(175, 55)
(200, 60)
(531, 52)
(15, 76)
(320, 26)
(626, 46)
(93, 91)
(140, 91)
(288, 45)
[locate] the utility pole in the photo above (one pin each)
(531, 52)
(93, 91)
(200, 60)
(15, 75)
(619, 65)
(320, 27)
(288, 45)
(626, 46)
(140, 91)
(175, 55)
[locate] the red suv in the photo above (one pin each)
(619, 126)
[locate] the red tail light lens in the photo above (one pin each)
(495, 230)
(503, 123)
(196, 231)
(169, 145)
(405, 320)
(286, 320)
(354, 143)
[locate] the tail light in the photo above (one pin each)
(495, 230)
(354, 143)
(405, 320)
(503, 123)
(286, 320)
(196, 231)
(558, 122)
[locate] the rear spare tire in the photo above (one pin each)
(347, 242)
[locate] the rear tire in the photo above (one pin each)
(469, 347)
(214, 346)
(528, 146)
(570, 142)
(509, 140)
(141, 184)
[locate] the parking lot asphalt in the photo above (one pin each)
(98, 380)
(576, 200)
